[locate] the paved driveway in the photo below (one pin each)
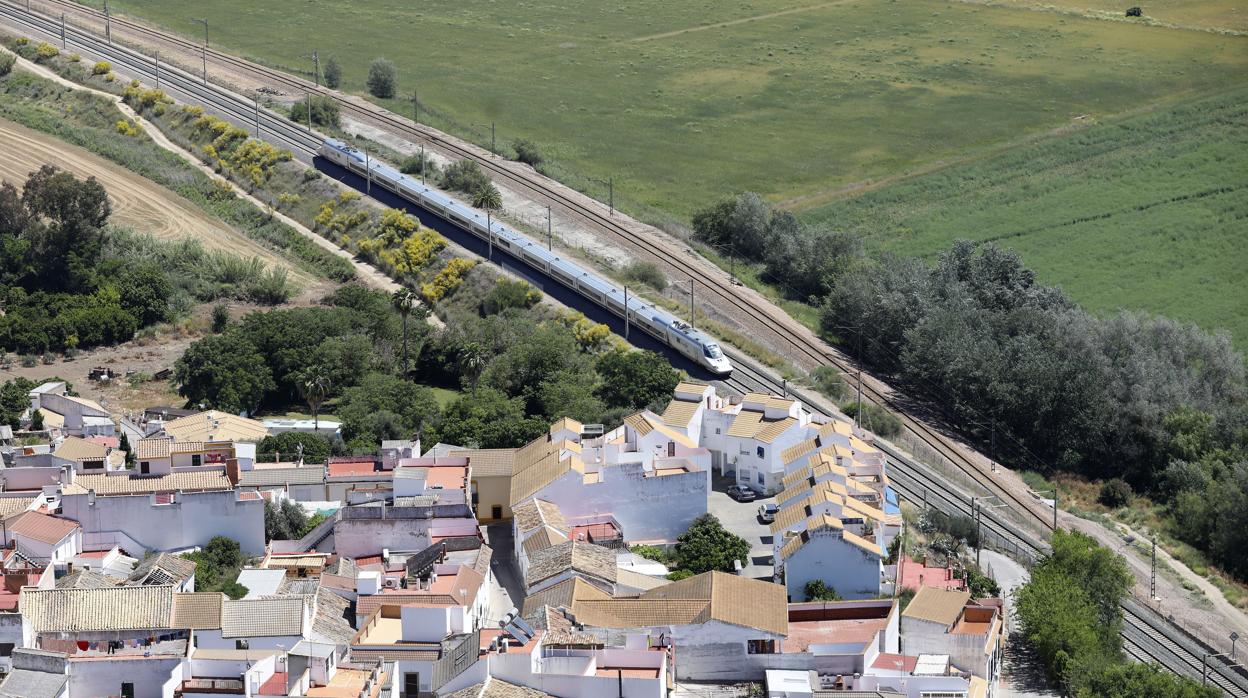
(742, 519)
(506, 592)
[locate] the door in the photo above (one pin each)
(411, 685)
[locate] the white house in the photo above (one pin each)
(184, 509)
(71, 415)
(947, 622)
(48, 539)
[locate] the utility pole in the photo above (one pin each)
(992, 444)
(108, 25)
(549, 230)
(1234, 639)
(611, 195)
(205, 51)
(422, 163)
(493, 143)
(415, 108)
(158, 70)
(626, 313)
(368, 170)
(257, 103)
(309, 110)
(858, 414)
(316, 67)
(1152, 594)
(691, 282)
(63, 30)
(489, 234)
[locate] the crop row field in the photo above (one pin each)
(1149, 212)
(682, 103)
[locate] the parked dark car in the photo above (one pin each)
(741, 493)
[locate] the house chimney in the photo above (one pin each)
(231, 471)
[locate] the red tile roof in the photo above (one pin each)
(275, 686)
(41, 527)
(357, 468)
(895, 662)
(914, 575)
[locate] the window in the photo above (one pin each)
(476, 498)
(760, 479)
(671, 449)
(6, 649)
(197, 459)
(760, 646)
(127, 690)
(717, 430)
(145, 467)
(240, 644)
(496, 512)
(761, 452)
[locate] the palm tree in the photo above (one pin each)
(403, 301)
(472, 362)
(315, 386)
(488, 197)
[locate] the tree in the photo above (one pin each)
(316, 448)
(403, 302)
(488, 197)
(73, 212)
(333, 73)
(283, 521)
(234, 590)
(220, 318)
(36, 420)
(488, 419)
(1138, 681)
(508, 293)
(464, 175)
(635, 379)
(472, 360)
(217, 565)
(817, 590)
(124, 445)
(315, 388)
(708, 546)
(385, 407)
(14, 400)
(145, 292)
(225, 372)
(381, 78)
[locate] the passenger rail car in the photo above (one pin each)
(655, 321)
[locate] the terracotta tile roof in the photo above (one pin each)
(163, 568)
(199, 610)
(93, 610)
(746, 425)
(357, 469)
(638, 422)
(157, 447)
(307, 474)
(790, 516)
(713, 595)
(85, 579)
(216, 426)
(690, 387)
(772, 430)
(41, 527)
(397, 653)
(567, 423)
(541, 539)
(200, 480)
(489, 462)
(793, 544)
(540, 463)
(535, 513)
(575, 556)
(14, 505)
(895, 662)
(680, 412)
(497, 688)
(562, 595)
(262, 617)
(637, 580)
(937, 605)
(76, 449)
(798, 450)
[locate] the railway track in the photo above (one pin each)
(1146, 637)
(759, 313)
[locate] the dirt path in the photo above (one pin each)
(734, 22)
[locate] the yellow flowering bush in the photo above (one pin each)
(447, 280)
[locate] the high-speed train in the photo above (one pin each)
(656, 321)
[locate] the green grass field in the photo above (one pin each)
(1149, 212)
(681, 108)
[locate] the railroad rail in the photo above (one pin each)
(670, 255)
(1146, 635)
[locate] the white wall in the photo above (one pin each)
(717, 651)
(421, 624)
(646, 508)
(364, 537)
(193, 521)
(103, 677)
(854, 574)
(212, 640)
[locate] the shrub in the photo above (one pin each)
(6, 63)
(828, 381)
(1115, 493)
(110, 77)
(333, 73)
(128, 128)
(817, 590)
(527, 152)
(220, 318)
(677, 575)
(381, 78)
(75, 58)
(875, 419)
(464, 175)
(509, 294)
(288, 200)
(29, 361)
(324, 111)
(412, 166)
(646, 273)
(447, 280)
(46, 50)
(104, 68)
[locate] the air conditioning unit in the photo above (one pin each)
(390, 583)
